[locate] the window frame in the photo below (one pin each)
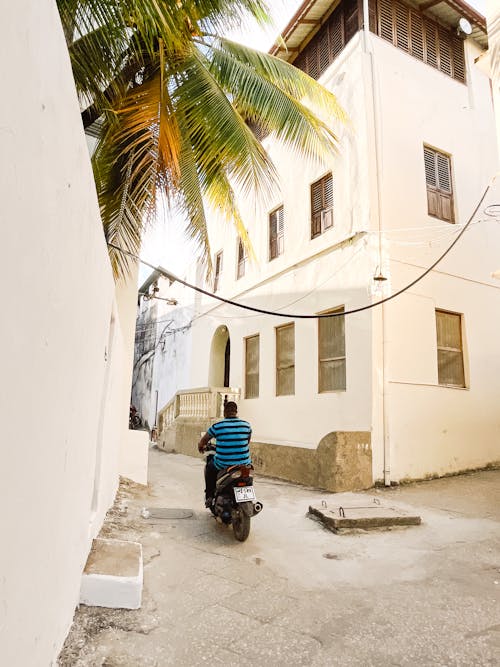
(313, 213)
(438, 192)
(344, 357)
(245, 374)
(217, 274)
(280, 247)
(277, 369)
(451, 349)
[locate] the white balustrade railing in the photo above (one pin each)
(201, 403)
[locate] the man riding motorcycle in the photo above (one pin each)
(232, 447)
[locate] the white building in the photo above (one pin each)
(67, 343)
(417, 377)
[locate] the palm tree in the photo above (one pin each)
(175, 102)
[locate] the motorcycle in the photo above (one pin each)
(234, 502)
(134, 419)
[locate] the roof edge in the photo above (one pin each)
(459, 5)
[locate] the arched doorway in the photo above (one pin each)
(220, 358)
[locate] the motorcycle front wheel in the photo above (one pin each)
(241, 525)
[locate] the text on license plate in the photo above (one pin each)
(244, 493)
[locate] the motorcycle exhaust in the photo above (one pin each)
(257, 507)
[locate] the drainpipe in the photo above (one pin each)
(368, 49)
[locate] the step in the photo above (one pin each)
(113, 575)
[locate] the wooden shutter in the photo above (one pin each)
(331, 353)
(416, 35)
(327, 216)
(431, 43)
(445, 51)
(321, 205)
(281, 230)
(351, 19)
(449, 349)
(285, 360)
(372, 14)
(458, 58)
(411, 31)
(438, 179)
(252, 356)
(324, 47)
(242, 258)
(402, 24)
(276, 232)
(316, 208)
(218, 270)
(312, 59)
(385, 20)
(336, 28)
(323, 50)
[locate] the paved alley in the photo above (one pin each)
(296, 594)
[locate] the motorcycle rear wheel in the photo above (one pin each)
(241, 525)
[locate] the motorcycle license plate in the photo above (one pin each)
(244, 493)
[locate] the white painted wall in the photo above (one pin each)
(311, 276)
(432, 429)
(64, 368)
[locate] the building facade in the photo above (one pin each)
(416, 381)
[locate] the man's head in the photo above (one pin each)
(230, 409)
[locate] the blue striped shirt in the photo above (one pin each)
(232, 439)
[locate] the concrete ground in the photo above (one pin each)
(296, 594)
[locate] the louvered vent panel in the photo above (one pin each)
(323, 50)
(417, 35)
(336, 34)
(372, 13)
(458, 58)
(386, 20)
(445, 54)
(312, 60)
(402, 15)
(431, 47)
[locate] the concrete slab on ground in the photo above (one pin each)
(362, 517)
(113, 575)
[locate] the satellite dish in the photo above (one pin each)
(464, 26)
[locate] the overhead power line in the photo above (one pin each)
(173, 278)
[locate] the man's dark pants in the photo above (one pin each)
(210, 478)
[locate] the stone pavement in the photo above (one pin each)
(296, 594)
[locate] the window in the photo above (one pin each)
(276, 233)
(321, 205)
(449, 349)
(439, 185)
(285, 360)
(325, 46)
(218, 270)
(418, 35)
(242, 260)
(252, 367)
(331, 353)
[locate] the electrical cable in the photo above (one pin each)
(172, 278)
